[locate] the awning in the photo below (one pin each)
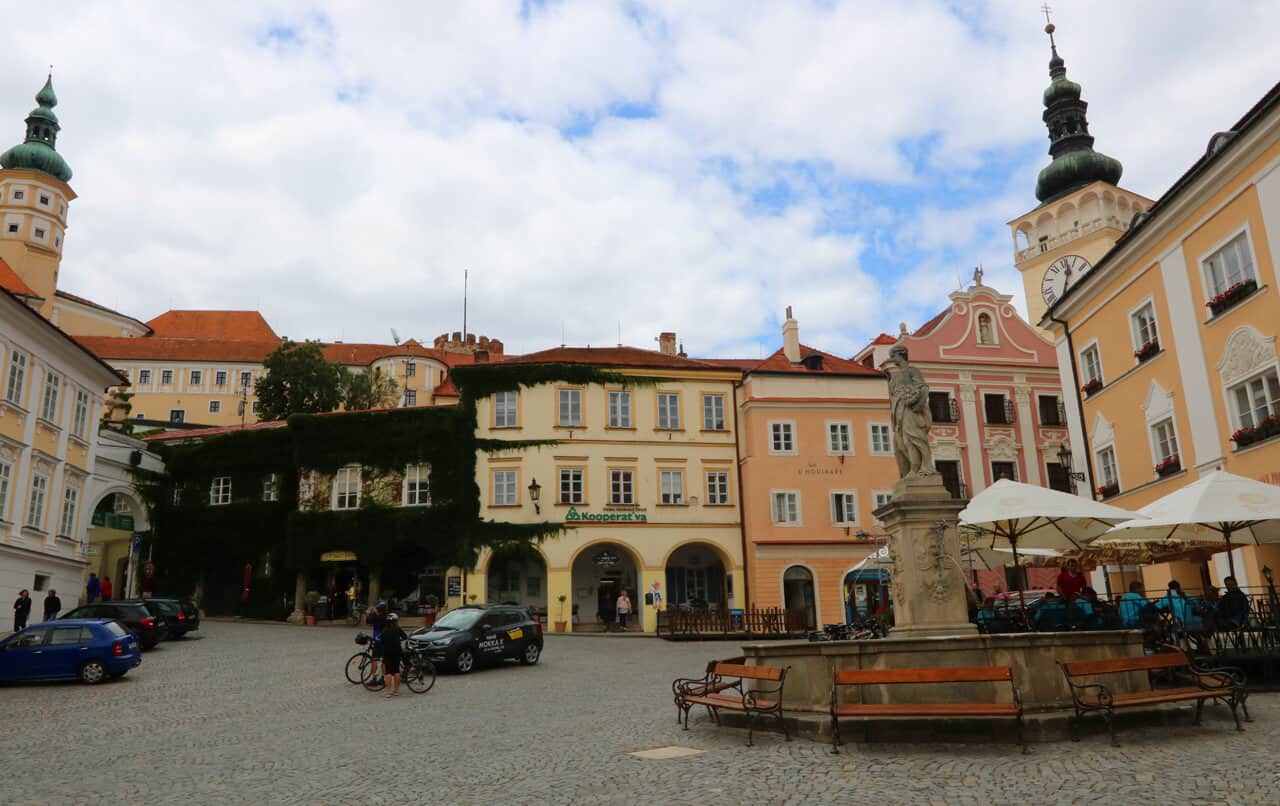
(867, 575)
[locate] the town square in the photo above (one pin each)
(574, 402)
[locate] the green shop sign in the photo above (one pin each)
(574, 516)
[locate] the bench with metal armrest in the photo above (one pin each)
(723, 688)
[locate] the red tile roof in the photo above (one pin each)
(158, 348)
(629, 357)
(446, 388)
(741, 364)
(884, 338)
(831, 365)
(928, 327)
(365, 354)
(11, 282)
(225, 325)
(212, 431)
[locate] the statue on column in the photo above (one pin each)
(909, 395)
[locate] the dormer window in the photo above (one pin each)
(812, 361)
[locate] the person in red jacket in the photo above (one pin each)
(106, 589)
(1070, 582)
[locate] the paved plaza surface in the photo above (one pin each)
(261, 713)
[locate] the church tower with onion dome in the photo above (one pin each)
(1082, 212)
(34, 199)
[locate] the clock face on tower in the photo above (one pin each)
(1062, 273)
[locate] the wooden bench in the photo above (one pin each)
(722, 688)
(950, 710)
(1223, 684)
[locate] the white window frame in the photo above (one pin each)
(781, 432)
(271, 487)
(416, 488)
(52, 390)
(348, 488)
(1059, 404)
(717, 483)
(565, 399)
(411, 397)
(220, 491)
(70, 504)
(195, 377)
(832, 448)
(871, 437)
(710, 425)
(849, 502)
(1206, 275)
(37, 500)
(80, 415)
(575, 493)
(621, 409)
(1084, 364)
(144, 377)
(671, 494)
(877, 502)
(246, 378)
(622, 486)
(15, 383)
(668, 413)
(499, 480)
(215, 406)
(1273, 407)
(6, 480)
(410, 369)
(1098, 453)
(1135, 323)
(788, 500)
(166, 377)
(1156, 454)
(220, 378)
(506, 409)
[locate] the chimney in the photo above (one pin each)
(791, 338)
(667, 343)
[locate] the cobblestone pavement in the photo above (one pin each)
(258, 713)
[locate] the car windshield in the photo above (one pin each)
(459, 619)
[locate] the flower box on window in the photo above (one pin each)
(1229, 298)
(1147, 350)
(1248, 435)
(1108, 490)
(1091, 387)
(1169, 466)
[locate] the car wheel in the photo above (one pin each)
(92, 671)
(531, 654)
(466, 661)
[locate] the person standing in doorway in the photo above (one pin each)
(106, 589)
(21, 610)
(92, 589)
(624, 608)
(52, 604)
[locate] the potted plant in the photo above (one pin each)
(1147, 350)
(1091, 387)
(429, 614)
(1227, 299)
(1108, 490)
(313, 599)
(561, 624)
(1169, 466)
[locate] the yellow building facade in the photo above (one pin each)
(644, 479)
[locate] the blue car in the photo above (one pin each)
(90, 650)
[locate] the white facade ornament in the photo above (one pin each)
(1002, 447)
(1103, 434)
(1159, 403)
(1247, 351)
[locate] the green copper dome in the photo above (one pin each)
(38, 152)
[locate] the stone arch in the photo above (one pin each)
(697, 572)
(136, 507)
(1068, 218)
(602, 581)
(793, 596)
(1090, 207)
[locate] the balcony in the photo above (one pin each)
(1049, 244)
(112, 520)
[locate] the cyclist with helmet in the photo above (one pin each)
(389, 642)
(377, 619)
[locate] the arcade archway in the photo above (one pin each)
(600, 573)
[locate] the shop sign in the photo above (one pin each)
(574, 515)
(338, 557)
(820, 471)
(453, 587)
(606, 559)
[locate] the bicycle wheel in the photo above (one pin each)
(375, 682)
(420, 675)
(358, 668)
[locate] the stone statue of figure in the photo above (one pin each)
(909, 395)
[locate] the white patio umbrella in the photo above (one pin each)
(1213, 509)
(1030, 517)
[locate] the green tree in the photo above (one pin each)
(371, 389)
(299, 380)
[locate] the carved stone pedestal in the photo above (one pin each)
(929, 595)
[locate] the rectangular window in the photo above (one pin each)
(997, 409)
(839, 438)
(1004, 470)
(13, 228)
(1051, 412)
(6, 474)
(672, 484)
(49, 401)
(572, 486)
(504, 409)
(417, 485)
(782, 437)
(144, 377)
(785, 507)
(881, 439)
(271, 487)
(246, 379)
(39, 231)
(1257, 399)
(622, 490)
(80, 415)
(19, 194)
(713, 412)
(220, 491)
(1230, 265)
(215, 406)
(197, 377)
(256, 407)
(1059, 478)
(504, 488)
(1107, 466)
(940, 407)
(346, 488)
(177, 416)
(1164, 440)
(410, 369)
(844, 509)
(44, 199)
(951, 477)
(17, 377)
(619, 409)
(166, 377)
(883, 499)
(220, 378)
(717, 487)
(67, 524)
(1091, 363)
(1144, 326)
(570, 409)
(35, 505)
(410, 397)
(669, 411)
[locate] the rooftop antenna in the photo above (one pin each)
(619, 332)
(466, 276)
(561, 332)
(395, 337)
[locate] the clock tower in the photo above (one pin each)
(1082, 211)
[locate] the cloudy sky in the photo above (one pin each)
(643, 166)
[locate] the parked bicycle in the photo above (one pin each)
(416, 671)
(360, 665)
(863, 628)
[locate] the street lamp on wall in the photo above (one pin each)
(535, 494)
(1064, 460)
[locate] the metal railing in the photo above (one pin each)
(767, 622)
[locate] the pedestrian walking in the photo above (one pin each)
(106, 588)
(21, 610)
(390, 640)
(52, 604)
(624, 609)
(92, 589)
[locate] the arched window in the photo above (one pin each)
(986, 332)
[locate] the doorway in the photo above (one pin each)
(797, 593)
(600, 574)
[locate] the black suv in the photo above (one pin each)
(135, 618)
(470, 636)
(173, 613)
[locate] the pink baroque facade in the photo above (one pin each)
(994, 392)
